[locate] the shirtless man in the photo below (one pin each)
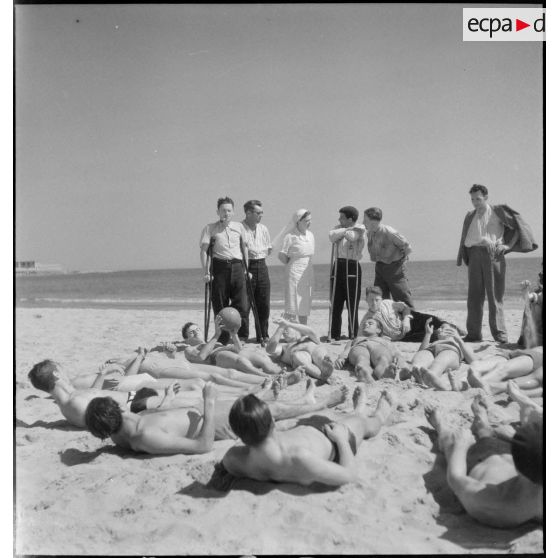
(191, 429)
(498, 483)
(301, 350)
(303, 454)
(49, 376)
(370, 354)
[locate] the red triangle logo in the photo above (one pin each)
(519, 25)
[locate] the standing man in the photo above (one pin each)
(348, 240)
(390, 251)
(227, 271)
(488, 233)
(259, 247)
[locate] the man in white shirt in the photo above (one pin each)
(259, 247)
(348, 239)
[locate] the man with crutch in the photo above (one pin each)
(226, 274)
(259, 247)
(348, 240)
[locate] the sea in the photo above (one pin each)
(439, 283)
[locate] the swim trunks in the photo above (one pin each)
(130, 399)
(438, 346)
(484, 448)
(536, 354)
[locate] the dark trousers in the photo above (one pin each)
(229, 289)
(392, 279)
(261, 289)
(346, 294)
(487, 278)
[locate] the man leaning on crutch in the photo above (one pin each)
(348, 240)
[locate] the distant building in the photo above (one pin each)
(31, 267)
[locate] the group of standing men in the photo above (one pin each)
(489, 232)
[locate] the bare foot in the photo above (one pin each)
(293, 377)
(276, 387)
(434, 417)
(359, 400)
(326, 369)
(515, 393)
(417, 375)
(479, 408)
(528, 409)
(405, 372)
(454, 383)
(310, 395)
(475, 381)
(431, 380)
(385, 406)
(337, 396)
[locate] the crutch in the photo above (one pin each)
(332, 285)
(351, 311)
(208, 290)
(251, 297)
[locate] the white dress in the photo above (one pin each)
(299, 277)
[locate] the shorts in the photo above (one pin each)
(484, 448)
(436, 348)
(535, 353)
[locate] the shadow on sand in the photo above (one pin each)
(56, 425)
(73, 456)
(462, 529)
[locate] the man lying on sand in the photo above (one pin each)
(302, 349)
(192, 429)
(245, 359)
(303, 454)
(49, 376)
(370, 354)
(399, 322)
(499, 483)
(433, 359)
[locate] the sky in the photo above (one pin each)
(132, 120)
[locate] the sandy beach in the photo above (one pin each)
(76, 494)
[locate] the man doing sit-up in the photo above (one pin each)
(189, 429)
(303, 454)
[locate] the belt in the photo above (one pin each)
(233, 260)
(345, 259)
(256, 260)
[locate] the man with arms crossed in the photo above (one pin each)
(303, 454)
(390, 250)
(259, 247)
(227, 271)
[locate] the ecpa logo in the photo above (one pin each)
(503, 24)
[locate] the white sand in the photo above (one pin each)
(76, 494)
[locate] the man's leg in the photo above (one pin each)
(220, 292)
(261, 360)
(359, 357)
(230, 359)
(239, 296)
(380, 280)
(364, 426)
(495, 288)
(510, 369)
(353, 296)
(396, 276)
(263, 290)
(475, 293)
(339, 296)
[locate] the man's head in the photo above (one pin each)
(372, 218)
(103, 417)
(372, 328)
(191, 330)
(251, 420)
(374, 298)
(44, 375)
(479, 196)
(348, 216)
(225, 209)
(253, 210)
(527, 451)
(304, 221)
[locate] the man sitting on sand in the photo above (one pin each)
(499, 483)
(399, 322)
(370, 354)
(433, 359)
(303, 454)
(302, 349)
(192, 429)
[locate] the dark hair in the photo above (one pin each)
(251, 205)
(374, 213)
(139, 402)
(103, 417)
(185, 328)
(250, 419)
(42, 376)
(226, 199)
(479, 188)
(374, 290)
(379, 325)
(304, 215)
(350, 212)
(527, 451)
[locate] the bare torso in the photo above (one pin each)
(290, 348)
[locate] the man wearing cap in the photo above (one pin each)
(227, 272)
(390, 250)
(259, 247)
(348, 242)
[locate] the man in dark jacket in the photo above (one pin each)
(489, 232)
